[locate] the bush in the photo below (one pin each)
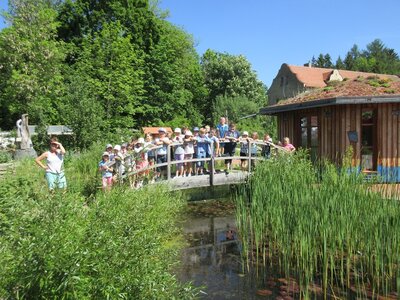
(5, 157)
(122, 244)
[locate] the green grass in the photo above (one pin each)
(320, 225)
(86, 244)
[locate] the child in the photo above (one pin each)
(266, 148)
(161, 154)
(231, 137)
(106, 172)
(222, 128)
(203, 142)
(287, 145)
(141, 162)
(179, 152)
(253, 147)
(244, 149)
(188, 143)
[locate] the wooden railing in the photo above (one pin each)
(211, 161)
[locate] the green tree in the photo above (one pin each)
(381, 59)
(31, 63)
(328, 61)
(174, 81)
(231, 76)
(172, 84)
(351, 57)
(80, 18)
(340, 64)
(109, 64)
(320, 62)
(84, 112)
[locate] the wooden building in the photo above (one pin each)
(362, 113)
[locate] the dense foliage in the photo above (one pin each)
(107, 65)
(85, 244)
(377, 58)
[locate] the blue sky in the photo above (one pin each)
(269, 33)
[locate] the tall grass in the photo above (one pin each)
(320, 225)
(122, 244)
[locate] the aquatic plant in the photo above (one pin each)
(321, 225)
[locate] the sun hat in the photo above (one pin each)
(117, 147)
(124, 145)
(106, 154)
(162, 130)
(188, 133)
(177, 130)
(109, 146)
(140, 141)
(245, 133)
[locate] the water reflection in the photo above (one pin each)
(212, 258)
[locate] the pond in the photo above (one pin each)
(212, 259)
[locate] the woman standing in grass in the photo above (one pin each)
(54, 165)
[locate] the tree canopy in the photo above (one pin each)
(107, 65)
(376, 58)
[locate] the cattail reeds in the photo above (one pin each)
(322, 225)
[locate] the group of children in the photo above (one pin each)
(202, 143)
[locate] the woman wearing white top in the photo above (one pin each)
(54, 165)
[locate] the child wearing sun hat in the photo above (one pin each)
(106, 171)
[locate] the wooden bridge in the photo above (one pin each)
(214, 176)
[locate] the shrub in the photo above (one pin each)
(5, 156)
(389, 91)
(122, 244)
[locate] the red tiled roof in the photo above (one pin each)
(349, 88)
(317, 77)
(154, 130)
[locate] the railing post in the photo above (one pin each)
(249, 154)
(212, 165)
(169, 162)
(119, 170)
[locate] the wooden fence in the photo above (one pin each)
(210, 179)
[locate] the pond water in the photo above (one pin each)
(212, 261)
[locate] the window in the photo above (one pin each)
(368, 159)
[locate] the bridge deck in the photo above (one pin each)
(180, 183)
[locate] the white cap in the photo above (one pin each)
(245, 133)
(162, 129)
(140, 141)
(106, 154)
(117, 147)
(178, 130)
(188, 133)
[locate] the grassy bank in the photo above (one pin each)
(85, 244)
(321, 226)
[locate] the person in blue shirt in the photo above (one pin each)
(106, 172)
(203, 143)
(222, 128)
(231, 138)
